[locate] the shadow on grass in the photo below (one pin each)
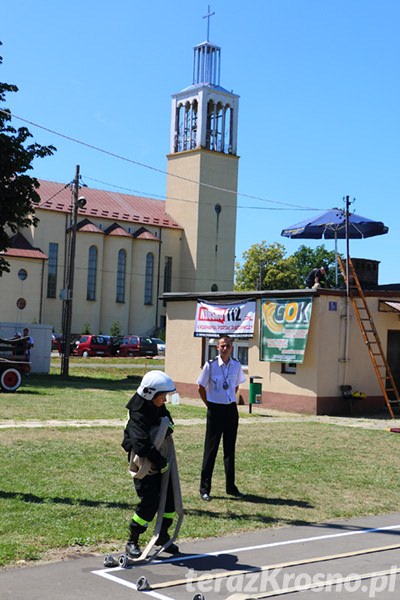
(33, 499)
(271, 501)
(76, 382)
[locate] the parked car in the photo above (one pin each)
(56, 339)
(116, 341)
(160, 345)
(92, 345)
(61, 344)
(135, 345)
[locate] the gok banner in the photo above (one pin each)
(236, 320)
(284, 329)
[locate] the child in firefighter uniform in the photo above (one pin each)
(147, 414)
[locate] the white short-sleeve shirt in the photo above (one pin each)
(221, 380)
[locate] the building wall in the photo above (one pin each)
(334, 356)
(12, 289)
(99, 314)
(208, 238)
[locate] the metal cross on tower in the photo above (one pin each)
(207, 16)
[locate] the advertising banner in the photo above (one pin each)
(284, 329)
(236, 320)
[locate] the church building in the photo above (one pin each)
(129, 250)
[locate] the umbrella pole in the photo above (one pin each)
(336, 262)
(347, 246)
(346, 351)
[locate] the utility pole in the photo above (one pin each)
(68, 291)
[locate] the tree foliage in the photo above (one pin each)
(18, 194)
(266, 267)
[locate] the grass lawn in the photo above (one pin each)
(69, 487)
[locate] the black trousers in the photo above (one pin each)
(148, 490)
(222, 421)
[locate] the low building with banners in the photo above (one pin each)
(306, 349)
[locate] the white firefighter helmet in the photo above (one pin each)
(155, 382)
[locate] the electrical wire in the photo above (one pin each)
(161, 171)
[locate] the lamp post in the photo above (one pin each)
(78, 202)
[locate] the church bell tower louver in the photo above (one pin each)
(203, 174)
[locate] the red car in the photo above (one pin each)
(136, 345)
(92, 345)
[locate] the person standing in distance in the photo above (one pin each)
(218, 384)
(29, 342)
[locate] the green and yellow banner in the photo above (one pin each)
(284, 329)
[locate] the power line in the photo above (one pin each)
(161, 171)
(164, 197)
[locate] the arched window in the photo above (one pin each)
(52, 270)
(215, 126)
(148, 284)
(186, 126)
(92, 274)
(228, 130)
(121, 274)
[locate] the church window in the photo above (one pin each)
(121, 274)
(186, 126)
(167, 273)
(228, 130)
(148, 284)
(215, 126)
(92, 274)
(52, 270)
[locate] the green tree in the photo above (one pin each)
(266, 267)
(18, 194)
(306, 259)
(115, 329)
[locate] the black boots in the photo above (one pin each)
(132, 548)
(164, 537)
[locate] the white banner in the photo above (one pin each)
(236, 320)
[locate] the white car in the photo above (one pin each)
(160, 345)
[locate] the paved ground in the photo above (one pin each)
(358, 558)
(381, 421)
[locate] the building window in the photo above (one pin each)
(92, 273)
(121, 274)
(167, 273)
(289, 368)
(22, 274)
(219, 127)
(52, 270)
(148, 284)
(240, 350)
(186, 126)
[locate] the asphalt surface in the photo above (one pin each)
(357, 558)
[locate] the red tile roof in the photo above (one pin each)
(116, 229)
(88, 226)
(21, 248)
(107, 205)
(144, 234)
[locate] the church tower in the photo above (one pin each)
(203, 174)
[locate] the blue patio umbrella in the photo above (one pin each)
(333, 224)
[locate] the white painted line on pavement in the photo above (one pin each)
(107, 575)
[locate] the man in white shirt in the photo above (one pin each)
(218, 384)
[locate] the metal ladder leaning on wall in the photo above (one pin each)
(371, 337)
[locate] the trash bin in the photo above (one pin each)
(255, 392)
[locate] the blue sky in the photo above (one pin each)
(319, 101)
